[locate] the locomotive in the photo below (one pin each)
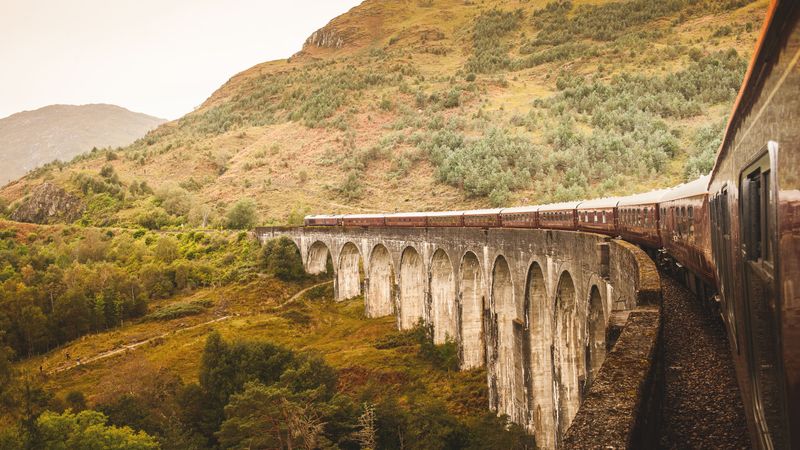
(735, 233)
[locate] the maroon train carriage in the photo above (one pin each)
(322, 221)
(638, 217)
(598, 215)
(364, 220)
(483, 218)
(445, 219)
(755, 202)
(685, 229)
(410, 219)
(520, 217)
(558, 216)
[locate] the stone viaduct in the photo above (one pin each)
(532, 306)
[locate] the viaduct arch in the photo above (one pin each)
(529, 306)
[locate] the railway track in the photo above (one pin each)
(702, 407)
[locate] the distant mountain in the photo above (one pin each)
(32, 138)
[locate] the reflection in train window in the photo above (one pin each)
(766, 213)
(752, 215)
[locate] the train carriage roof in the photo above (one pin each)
(322, 216)
(606, 202)
(559, 206)
(363, 216)
(444, 213)
(690, 189)
(408, 214)
(644, 198)
(519, 209)
(482, 212)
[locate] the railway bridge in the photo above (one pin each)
(539, 309)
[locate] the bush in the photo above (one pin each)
(242, 215)
(705, 143)
(281, 259)
(443, 357)
(351, 188)
(174, 199)
(75, 400)
(153, 217)
(490, 52)
(490, 166)
(178, 310)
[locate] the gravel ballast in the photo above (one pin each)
(702, 407)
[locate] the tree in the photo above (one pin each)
(242, 215)
(366, 434)
(6, 369)
(167, 249)
(280, 258)
(271, 417)
(174, 199)
(75, 400)
(88, 430)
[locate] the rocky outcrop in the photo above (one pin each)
(49, 203)
(326, 38)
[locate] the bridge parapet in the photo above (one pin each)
(532, 306)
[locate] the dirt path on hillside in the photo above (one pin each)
(301, 293)
(130, 347)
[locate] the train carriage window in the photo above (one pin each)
(752, 195)
(682, 225)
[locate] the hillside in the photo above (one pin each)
(201, 339)
(31, 139)
(434, 104)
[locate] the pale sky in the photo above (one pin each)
(159, 57)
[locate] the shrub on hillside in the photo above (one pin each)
(153, 217)
(705, 143)
(174, 199)
(490, 166)
(178, 310)
(281, 258)
(242, 215)
(490, 51)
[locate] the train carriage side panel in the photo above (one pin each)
(755, 197)
(559, 216)
(445, 219)
(364, 220)
(321, 221)
(686, 232)
(598, 216)
(520, 217)
(638, 218)
(483, 218)
(412, 219)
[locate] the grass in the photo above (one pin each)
(339, 331)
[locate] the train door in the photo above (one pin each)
(721, 245)
(757, 223)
